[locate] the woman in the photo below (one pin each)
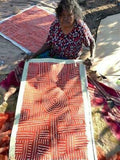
(67, 35)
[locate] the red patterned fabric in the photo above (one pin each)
(28, 27)
(100, 94)
(14, 77)
(6, 123)
(52, 121)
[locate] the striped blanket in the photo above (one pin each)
(53, 114)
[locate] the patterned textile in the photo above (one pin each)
(112, 117)
(53, 115)
(73, 42)
(27, 28)
(14, 77)
(106, 92)
(101, 94)
(6, 123)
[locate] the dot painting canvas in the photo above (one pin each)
(53, 114)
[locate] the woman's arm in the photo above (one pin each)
(88, 39)
(44, 48)
(92, 49)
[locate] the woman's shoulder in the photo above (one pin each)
(81, 23)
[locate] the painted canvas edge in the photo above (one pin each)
(92, 154)
(17, 114)
(15, 43)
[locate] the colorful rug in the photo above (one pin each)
(53, 114)
(101, 94)
(29, 29)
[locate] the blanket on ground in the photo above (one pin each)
(110, 98)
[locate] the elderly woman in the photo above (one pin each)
(67, 35)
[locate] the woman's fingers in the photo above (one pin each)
(28, 56)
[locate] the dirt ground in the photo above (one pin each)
(94, 11)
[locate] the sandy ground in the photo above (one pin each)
(94, 11)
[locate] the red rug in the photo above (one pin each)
(53, 115)
(28, 29)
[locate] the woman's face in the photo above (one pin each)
(67, 18)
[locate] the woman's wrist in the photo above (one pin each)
(91, 58)
(29, 56)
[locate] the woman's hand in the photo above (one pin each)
(87, 63)
(91, 59)
(28, 57)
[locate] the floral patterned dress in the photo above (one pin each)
(68, 46)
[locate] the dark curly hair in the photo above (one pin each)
(70, 5)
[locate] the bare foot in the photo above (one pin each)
(9, 93)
